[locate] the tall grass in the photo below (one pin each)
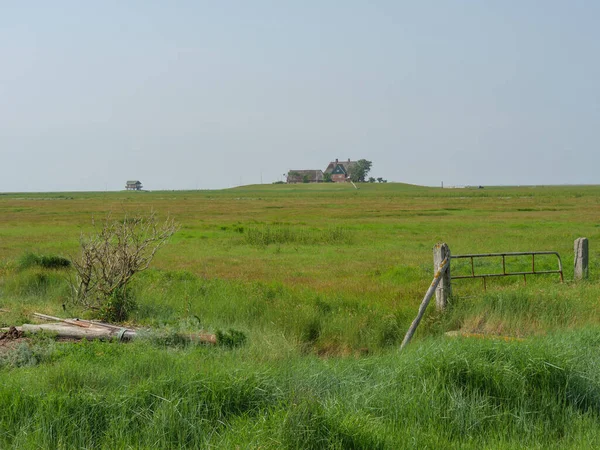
(515, 311)
(42, 286)
(29, 260)
(445, 394)
(310, 321)
(274, 234)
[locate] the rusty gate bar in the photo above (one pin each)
(507, 274)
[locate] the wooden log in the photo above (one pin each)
(74, 322)
(434, 284)
(79, 322)
(68, 331)
(441, 252)
(47, 317)
(581, 251)
(100, 324)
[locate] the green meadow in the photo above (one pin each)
(323, 281)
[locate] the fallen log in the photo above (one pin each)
(66, 330)
(79, 322)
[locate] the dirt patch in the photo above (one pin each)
(463, 333)
(335, 350)
(10, 339)
(11, 334)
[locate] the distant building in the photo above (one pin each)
(134, 185)
(337, 171)
(340, 171)
(305, 176)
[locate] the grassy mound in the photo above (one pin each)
(29, 260)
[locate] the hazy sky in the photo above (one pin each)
(211, 94)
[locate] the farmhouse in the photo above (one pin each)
(337, 171)
(305, 176)
(134, 185)
(340, 171)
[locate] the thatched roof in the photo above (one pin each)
(298, 176)
(345, 165)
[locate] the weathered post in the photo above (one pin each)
(581, 259)
(444, 289)
(434, 284)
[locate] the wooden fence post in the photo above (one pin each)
(581, 259)
(444, 288)
(434, 284)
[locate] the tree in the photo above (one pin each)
(306, 179)
(360, 170)
(327, 178)
(371, 180)
(109, 259)
(380, 180)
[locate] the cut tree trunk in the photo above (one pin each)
(66, 330)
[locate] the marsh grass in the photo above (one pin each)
(37, 349)
(29, 260)
(323, 312)
(282, 234)
(452, 393)
(320, 324)
(36, 284)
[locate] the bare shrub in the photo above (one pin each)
(110, 257)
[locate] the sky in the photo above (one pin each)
(208, 95)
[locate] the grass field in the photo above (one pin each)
(324, 281)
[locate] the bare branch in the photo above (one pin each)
(110, 257)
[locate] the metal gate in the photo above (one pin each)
(504, 272)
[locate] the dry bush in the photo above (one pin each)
(110, 257)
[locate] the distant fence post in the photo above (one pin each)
(581, 259)
(444, 288)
